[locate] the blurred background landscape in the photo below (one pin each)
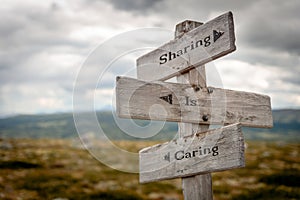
(43, 158)
(61, 126)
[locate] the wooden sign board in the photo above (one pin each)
(215, 150)
(197, 47)
(176, 102)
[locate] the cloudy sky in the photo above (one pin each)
(46, 45)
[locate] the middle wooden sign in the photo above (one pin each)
(176, 102)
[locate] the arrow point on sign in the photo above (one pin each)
(217, 34)
(167, 98)
(167, 157)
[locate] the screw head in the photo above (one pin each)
(197, 89)
(205, 118)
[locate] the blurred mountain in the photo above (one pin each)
(63, 126)
(286, 127)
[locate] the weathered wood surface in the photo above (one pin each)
(185, 103)
(198, 186)
(215, 150)
(196, 47)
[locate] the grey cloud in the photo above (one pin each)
(257, 55)
(274, 35)
(276, 28)
(35, 28)
(132, 5)
(284, 69)
(26, 32)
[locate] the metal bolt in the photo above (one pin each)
(205, 118)
(209, 90)
(196, 88)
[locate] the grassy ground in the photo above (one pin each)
(53, 169)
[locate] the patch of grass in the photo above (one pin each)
(270, 193)
(158, 187)
(18, 165)
(47, 184)
(221, 189)
(289, 177)
(57, 184)
(111, 195)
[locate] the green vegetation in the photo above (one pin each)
(17, 165)
(272, 172)
(270, 193)
(286, 127)
(288, 177)
(51, 168)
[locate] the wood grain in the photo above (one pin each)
(196, 47)
(189, 103)
(198, 186)
(215, 150)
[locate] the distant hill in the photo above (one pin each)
(286, 127)
(63, 126)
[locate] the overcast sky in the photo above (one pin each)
(45, 44)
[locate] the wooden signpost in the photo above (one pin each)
(185, 103)
(214, 150)
(196, 47)
(198, 151)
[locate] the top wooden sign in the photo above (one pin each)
(197, 47)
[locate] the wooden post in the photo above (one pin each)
(195, 187)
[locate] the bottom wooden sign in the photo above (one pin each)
(214, 150)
